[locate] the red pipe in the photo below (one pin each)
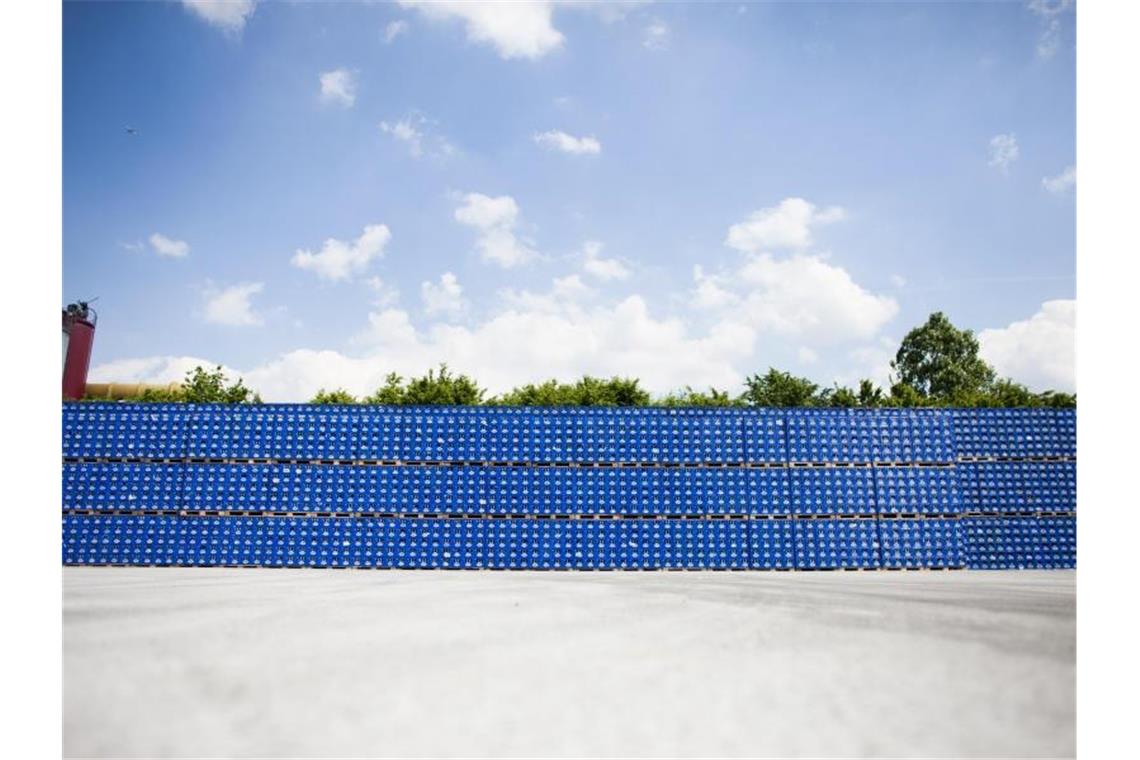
(80, 332)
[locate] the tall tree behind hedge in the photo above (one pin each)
(940, 361)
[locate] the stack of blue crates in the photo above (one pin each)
(1017, 476)
(921, 543)
(833, 490)
(594, 488)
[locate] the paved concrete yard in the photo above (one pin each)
(212, 662)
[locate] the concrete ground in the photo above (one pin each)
(165, 662)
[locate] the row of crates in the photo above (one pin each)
(1019, 486)
(1015, 433)
(568, 544)
(299, 431)
(1004, 543)
(974, 487)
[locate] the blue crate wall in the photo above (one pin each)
(227, 487)
(978, 542)
(122, 486)
(910, 435)
(1005, 542)
(833, 490)
(271, 431)
(771, 544)
(1021, 486)
(407, 543)
(522, 490)
(764, 435)
(769, 491)
(1065, 429)
(98, 430)
(831, 544)
(1021, 433)
(917, 490)
(828, 435)
(310, 487)
(925, 542)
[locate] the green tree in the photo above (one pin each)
(780, 389)
(202, 386)
(390, 393)
(839, 396)
(338, 396)
(903, 395)
(1058, 400)
(690, 397)
(213, 387)
(940, 361)
(588, 391)
(443, 389)
(870, 395)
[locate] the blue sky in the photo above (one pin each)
(318, 194)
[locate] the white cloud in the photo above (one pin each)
(710, 294)
(802, 296)
(872, 361)
(808, 298)
(806, 356)
(133, 247)
(558, 140)
(1061, 183)
(1048, 11)
(155, 369)
(446, 297)
(656, 35)
(495, 219)
(230, 306)
(898, 280)
(338, 86)
(394, 29)
(228, 15)
(383, 293)
(1049, 8)
(518, 346)
(515, 30)
(1003, 151)
(1040, 351)
(418, 133)
(164, 246)
(566, 296)
(1050, 40)
(339, 259)
(787, 225)
(603, 269)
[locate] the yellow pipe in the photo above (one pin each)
(118, 391)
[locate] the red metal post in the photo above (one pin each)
(79, 329)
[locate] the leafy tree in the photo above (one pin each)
(338, 396)
(390, 393)
(940, 361)
(1007, 393)
(443, 389)
(159, 396)
(693, 398)
(839, 396)
(202, 386)
(903, 395)
(1058, 400)
(588, 391)
(870, 395)
(780, 389)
